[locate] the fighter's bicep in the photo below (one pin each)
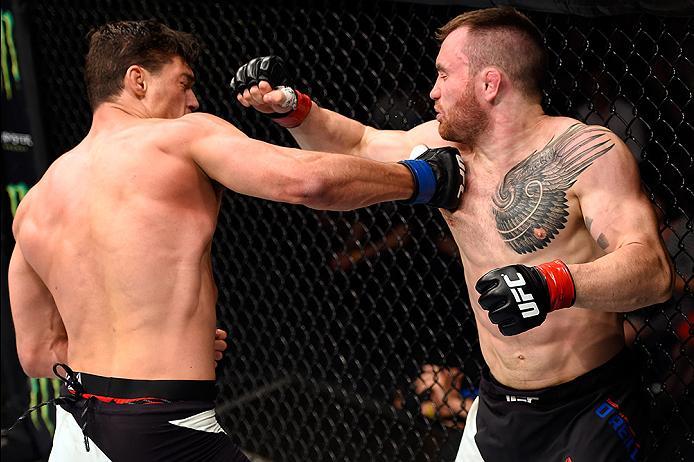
(395, 145)
(249, 166)
(427, 133)
(615, 209)
(633, 222)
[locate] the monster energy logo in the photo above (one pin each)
(17, 142)
(43, 390)
(16, 191)
(10, 64)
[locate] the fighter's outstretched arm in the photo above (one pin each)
(259, 84)
(325, 130)
(40, 333)
(316, 179)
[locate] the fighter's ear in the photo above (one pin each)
(135, 80)
(491, 82)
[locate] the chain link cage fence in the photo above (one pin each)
(333, 315)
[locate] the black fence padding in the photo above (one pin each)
(332, 315)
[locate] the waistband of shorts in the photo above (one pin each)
(618, 368)
(126, 389)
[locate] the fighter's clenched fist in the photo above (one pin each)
(262, 83)
(439, 176)
(518, 297)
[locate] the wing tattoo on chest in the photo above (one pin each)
(530, 205)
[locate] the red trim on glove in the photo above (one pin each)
(560, 284)
(296, 117)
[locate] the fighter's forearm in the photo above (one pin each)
(434, 178)
(261, 83)
(328, 131)
(631, 277)
(340, 183)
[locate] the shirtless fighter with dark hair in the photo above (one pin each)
(111, 273)
(555, 233)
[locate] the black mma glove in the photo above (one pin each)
(271, 69)
(439, 177)
(519, 297)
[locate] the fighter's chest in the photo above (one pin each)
(498, 218)
(527, 205)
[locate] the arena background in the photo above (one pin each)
(332, 315)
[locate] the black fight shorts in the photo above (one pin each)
(597, 417)
(141, 420)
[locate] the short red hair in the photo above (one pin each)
(505, 38)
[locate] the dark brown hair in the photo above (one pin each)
(116, 46)
(505, 38)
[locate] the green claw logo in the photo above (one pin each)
(43, 390)
(16, 191)
(10, 64)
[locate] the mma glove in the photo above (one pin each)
(439, 177)
(271, 69)
(519, 297)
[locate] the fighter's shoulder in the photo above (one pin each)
(177, 136)
(201, 123)
(578, 130)
(43, 186)
(605, 161)
(185, 128)
(427, 133)
(24, 208)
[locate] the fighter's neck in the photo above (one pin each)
(110, 115)
(509, 136)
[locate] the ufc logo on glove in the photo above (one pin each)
(529, 307)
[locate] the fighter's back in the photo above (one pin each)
(119, 230)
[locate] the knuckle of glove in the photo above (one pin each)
(494, 301)
(493, 293)
(501, 314)
(269, 68)
(516, 324)
(238, 83)
(252, 71)
(273, 71)
(487, 282)
(436, 153)
(511, 328)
